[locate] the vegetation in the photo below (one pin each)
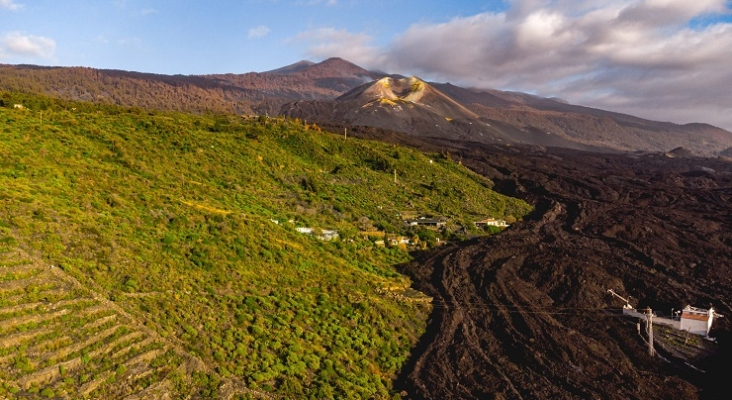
(180, 231)
(179, 93)
(225, 93)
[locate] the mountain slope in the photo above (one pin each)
(324, 80)
(178, 269)
(589, 125)
(251, 93)
(526, 314)
(411, 90)
(413, 106)
(446, 111)
(489, 116)
(288, 69)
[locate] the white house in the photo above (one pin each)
(696, 320)
(491, 222)
(399, 240)
(437, 222)
(18, 106)
(325, 234)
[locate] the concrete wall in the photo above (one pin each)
(695, 326)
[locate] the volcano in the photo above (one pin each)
(413, 106)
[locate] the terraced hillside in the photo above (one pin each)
(182, 231)
(59, 338)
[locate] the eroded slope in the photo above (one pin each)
(522, 315)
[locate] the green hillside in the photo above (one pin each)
(177, 264)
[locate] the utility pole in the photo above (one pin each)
(627, 302)
(395, 177)
(649, 331)
(345, 133)
(41, 117)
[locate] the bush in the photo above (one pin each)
(189, 227)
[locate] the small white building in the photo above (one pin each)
(18, 106)
(696, 320)
(325, 234)
(399, 240)
(437, 222)
(328, 235)
(491, 222)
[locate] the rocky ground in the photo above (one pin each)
(526, 314)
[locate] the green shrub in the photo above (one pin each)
(169, 215)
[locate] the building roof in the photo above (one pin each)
(427, 221)
(695, 310)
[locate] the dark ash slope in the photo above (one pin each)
(520, 315)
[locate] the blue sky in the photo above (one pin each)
(660, 59)
(200, 37)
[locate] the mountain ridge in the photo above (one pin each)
(510, 117)
(491, 116)
(294, 67)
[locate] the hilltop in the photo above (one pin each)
(159, 253)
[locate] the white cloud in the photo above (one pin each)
(259, 31)
(19, 45)
(9, 4)
(633, 56)
(670, 11)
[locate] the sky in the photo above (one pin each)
(667, 60)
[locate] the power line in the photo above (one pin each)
(483, 304)
(508, 306)
(514, 309)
